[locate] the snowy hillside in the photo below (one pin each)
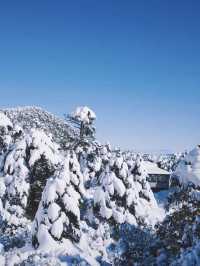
(81, 203)
(35, 117)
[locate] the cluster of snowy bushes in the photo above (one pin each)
(81, 203)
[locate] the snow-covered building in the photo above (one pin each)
(158, 178)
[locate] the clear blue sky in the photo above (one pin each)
(136, 63)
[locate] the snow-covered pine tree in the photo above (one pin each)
(25, 163)
(42, 158)
(58, 216)
(14, 173)
(82, 119)
(124, 195)
(6, 127)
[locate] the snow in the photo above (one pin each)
(57, 228)
(29, 117)
(50, 194)
(53, 211)
(43, 145)
(5, 121)
(2, 187)
(67, 225)
(188, 170)
(45, 239)
(84, 114)
(2, 260)
(118, 216)
(152, 168)
(71, 205)
(119, 186)
(1, 248)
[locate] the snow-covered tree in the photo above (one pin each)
(133, 245)
(124, 194)
(42, 158)
(6, 127)
(87, 199)
(29, 117)
(169, 162)
(179, 232)
(29, 160)
(82, 119)
(58, 216)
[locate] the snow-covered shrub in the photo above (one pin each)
(58, 216)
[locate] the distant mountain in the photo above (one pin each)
(35, 117)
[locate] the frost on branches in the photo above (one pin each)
(58, 216)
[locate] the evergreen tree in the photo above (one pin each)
(58, 216)
(179, 233)
(124, 194)
(82, 120)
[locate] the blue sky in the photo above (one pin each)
(136, 63)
